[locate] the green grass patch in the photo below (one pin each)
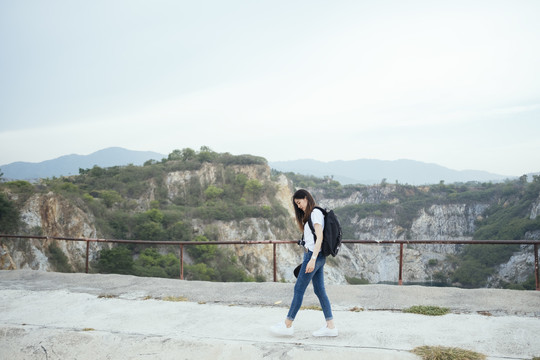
(427, 310)
(356, 281)
(446, 353)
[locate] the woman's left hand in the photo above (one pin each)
(310, 266)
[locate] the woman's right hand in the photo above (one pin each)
(310, 266)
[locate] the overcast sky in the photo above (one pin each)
(455, 83)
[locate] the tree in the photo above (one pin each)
(185, 154)
(96, 171)
(179, 232)
(58, 259)
(200, 272)
(110, 197)
(117, 260)
(188, 154)
(152, 263)
(213, 192)
(204, 253)
(154, 215)
(9, 215)
(253, 189)
(175, 155)
(149, 226)
(149, 230)
(206, 154)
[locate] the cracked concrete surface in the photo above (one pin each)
(80, 316)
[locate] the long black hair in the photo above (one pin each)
(302, 217)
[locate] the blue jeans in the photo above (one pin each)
(317, 275)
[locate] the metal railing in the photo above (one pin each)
(274, 244)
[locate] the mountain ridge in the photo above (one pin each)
(360, 171)
(70, 164)
(372, 171)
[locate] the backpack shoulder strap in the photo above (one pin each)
(311, 222)
(324, 212)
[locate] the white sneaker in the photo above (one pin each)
(324, 331)
(282, 329)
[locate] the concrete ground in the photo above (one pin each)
(89, 316)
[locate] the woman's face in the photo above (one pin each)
(301, 203)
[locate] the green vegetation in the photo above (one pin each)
(331, 187)
(506, 218)
(477, 262)
(161, 201)
(210, 263)
(9, 216)
(113, 196)
(427, 310)
(446, 353)
(58, 259)
(356, 281)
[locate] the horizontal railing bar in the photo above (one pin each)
(263, 242)
(269, 242)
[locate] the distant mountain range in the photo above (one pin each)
(368, 171)
(363, 171)
(70, 164)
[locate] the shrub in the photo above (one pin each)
(153, 264)
(117, 260)
(446, 353)
(356, 281)
(199, 272)
(213, 192)
(58, 259)
(9, 215)
(427, 310)
(202, 253)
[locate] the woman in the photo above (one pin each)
(312, 266)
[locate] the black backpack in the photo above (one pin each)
(331, 233)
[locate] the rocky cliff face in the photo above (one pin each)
(53, 216)
(257, 259)
(380, 263)
(56, 216)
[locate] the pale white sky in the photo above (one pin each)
(455, 83)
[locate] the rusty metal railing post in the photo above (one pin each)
(87, 253)
(536, 267)
(181, 262)
(275, 270)
(400, 280)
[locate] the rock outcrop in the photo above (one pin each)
(54, 215)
